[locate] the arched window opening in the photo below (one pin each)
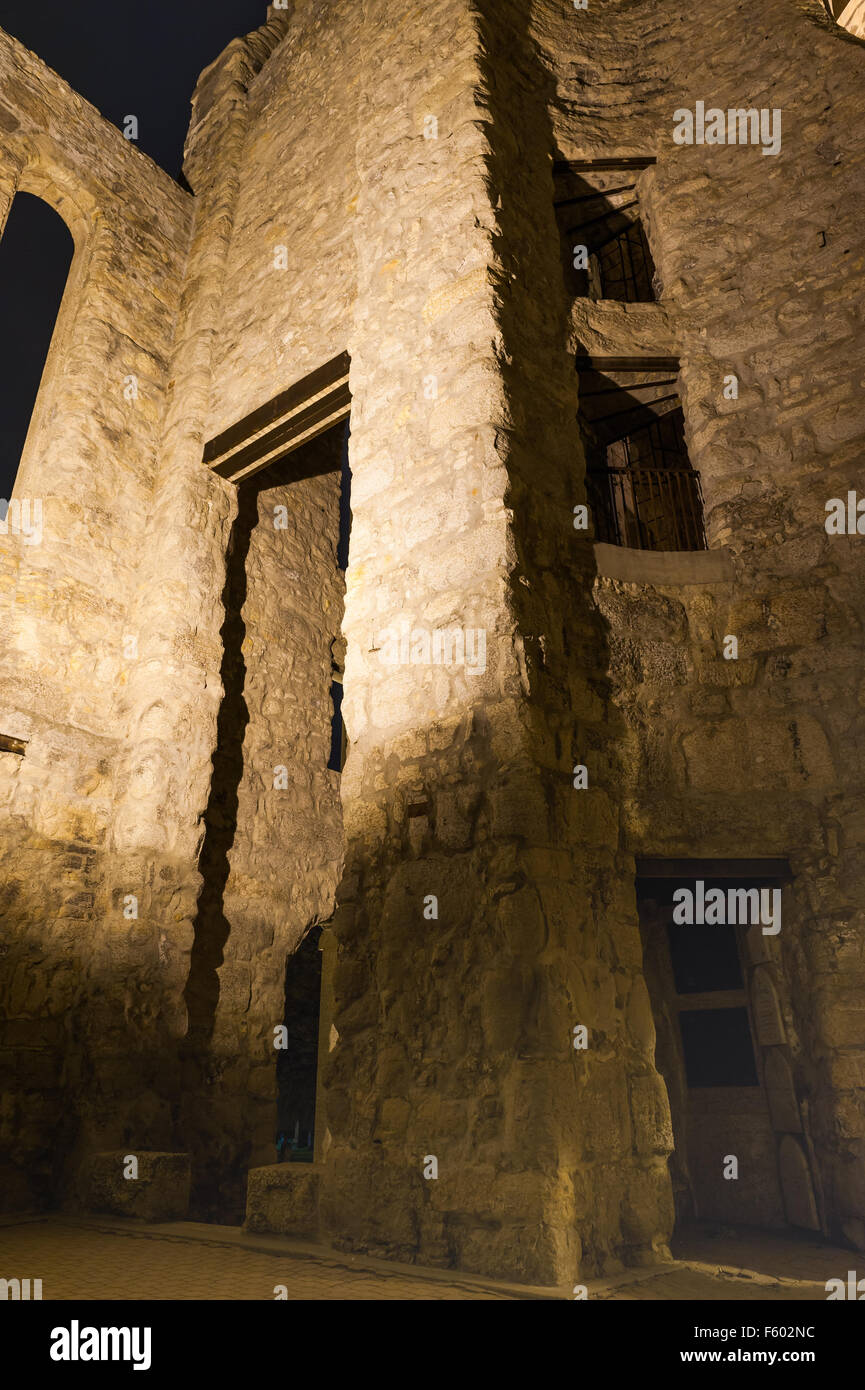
(849, 15)
(35, 255)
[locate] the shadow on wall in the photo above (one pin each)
(219, 1114)
(211, 925)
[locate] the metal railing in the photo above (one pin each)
(647, 508)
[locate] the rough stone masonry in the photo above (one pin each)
(381, 182)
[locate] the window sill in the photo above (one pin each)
(663, 566)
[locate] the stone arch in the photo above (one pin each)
(38, 168)
(45, 174)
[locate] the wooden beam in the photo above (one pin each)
(683, 870)
(711, 999)
(294, 416)
(568, 166)
(626, 364)
(8, 744)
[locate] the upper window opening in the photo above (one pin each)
(641, 487)
(605, 250)
(849, 14)
(622, 267)
(35, 255)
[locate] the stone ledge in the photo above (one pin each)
(663, 566)
(282, 1198)
(159, 1193)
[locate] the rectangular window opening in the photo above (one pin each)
(605, 251)
(641, 487)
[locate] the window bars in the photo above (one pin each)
(648, 497)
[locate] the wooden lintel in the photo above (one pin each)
(683, 870)
(8, 744)
(572, 166)
(304, 410)
(626, 364)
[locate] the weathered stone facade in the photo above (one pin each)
(383, 184)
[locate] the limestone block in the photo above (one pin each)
(283, 1198)
(650, 1110)
(159, 1193)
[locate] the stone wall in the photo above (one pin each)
(761, 261)
(383, 184)
(71, 1039)
(455, 1032)
(280, 267)
(289, 272)
(272, 854)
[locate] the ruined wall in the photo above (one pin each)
(283, 265)
(272, 854)
(761, 258)
(455, 1031)
(366, 183)
(90, 457)
(290, 268)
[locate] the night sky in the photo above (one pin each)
(127, 59)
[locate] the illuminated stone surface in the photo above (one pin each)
(322, 220)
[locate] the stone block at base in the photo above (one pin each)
(160, 1192)
(283, 1199)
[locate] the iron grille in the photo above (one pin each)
(625, 267)
(648, 508)
(648, 496)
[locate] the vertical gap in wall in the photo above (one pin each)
(338, 741)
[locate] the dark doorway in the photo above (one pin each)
(710, 979)
(297, 1063)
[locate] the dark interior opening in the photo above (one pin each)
(338, 738)
(624, 268)
(704, 958)
(643, 492)
(598, 208)
(297, 1064)
(717, 1047)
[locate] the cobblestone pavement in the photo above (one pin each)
(90, 1263)
(98, 1259)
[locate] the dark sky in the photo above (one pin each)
(140, 59)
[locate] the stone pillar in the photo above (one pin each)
(172, 701)
(484, 913)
